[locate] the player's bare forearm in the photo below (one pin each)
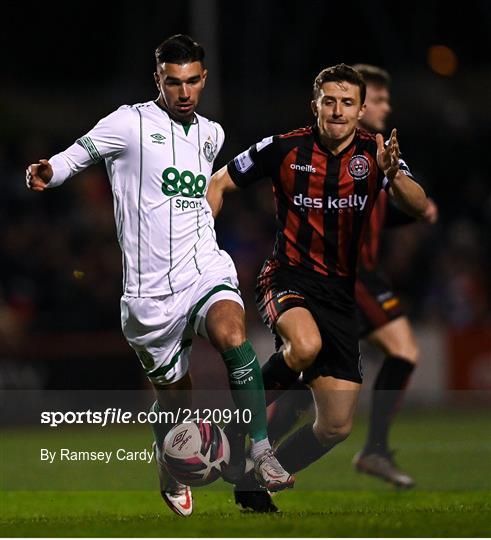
(220, 183)
(215, 200)
(409, 195)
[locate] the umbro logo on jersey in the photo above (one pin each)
(158, 138)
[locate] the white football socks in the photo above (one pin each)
(258, 448)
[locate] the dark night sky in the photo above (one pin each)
(63, 68)
(104, 38)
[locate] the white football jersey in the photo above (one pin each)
(159, 175)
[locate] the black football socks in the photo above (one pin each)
(301, 449)
(387, 395)
(277, 377)
(288, 409)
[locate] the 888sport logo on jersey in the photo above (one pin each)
(184, 183)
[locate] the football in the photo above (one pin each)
(196, 452)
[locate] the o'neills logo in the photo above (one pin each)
(303, 168)
(358, 202)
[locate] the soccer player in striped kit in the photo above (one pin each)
(381, 317)
(176, 280)
(326, 179)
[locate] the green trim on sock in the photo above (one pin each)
(241, 354)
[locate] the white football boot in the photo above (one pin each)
(177, 496)
(270, 474)
(382, 465)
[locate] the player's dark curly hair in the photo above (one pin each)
(179, 49)
(373, 74)
(340, 73)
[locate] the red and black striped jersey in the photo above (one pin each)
(323, 201)
(371, 243)
(385, 215)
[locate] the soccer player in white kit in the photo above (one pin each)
(176, 281)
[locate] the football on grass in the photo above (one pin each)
(196, 452)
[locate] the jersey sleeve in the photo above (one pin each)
(107, 138)
(255, 163)
(403, 166)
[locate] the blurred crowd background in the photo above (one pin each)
(63, 69)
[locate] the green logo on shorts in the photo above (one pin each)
(182, 183)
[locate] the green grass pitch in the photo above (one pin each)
(449, 454)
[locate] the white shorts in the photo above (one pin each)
(160, 329)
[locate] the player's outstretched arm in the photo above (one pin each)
(38, 175)
(109, 137)
(408, 194)
(431, 212)
(220, 183)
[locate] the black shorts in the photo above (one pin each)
(377, 304)
(331, 303)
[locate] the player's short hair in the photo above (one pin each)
(373, 74)
(179, 49)
(340, 73)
